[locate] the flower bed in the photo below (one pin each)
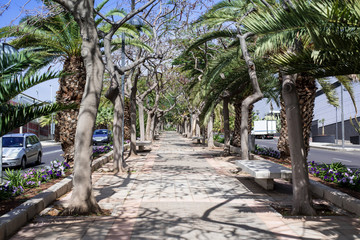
(17, 182)
(265, 151)
(101, 150)
(336, 173)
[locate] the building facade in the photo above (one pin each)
(43, 133)
(332, 115)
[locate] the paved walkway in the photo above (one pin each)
(180, 191)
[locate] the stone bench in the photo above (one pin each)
(198, 138)
(142, 144)
(264, 171)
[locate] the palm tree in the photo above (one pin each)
(309, 40)
(57, 38)
(17, 76)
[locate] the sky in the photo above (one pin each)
(47, 91)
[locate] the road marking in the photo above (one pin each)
(340, 159)
(52, 152)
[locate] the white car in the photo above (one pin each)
(20, 149)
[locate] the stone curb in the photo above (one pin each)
(336, 197)
(320, 190)
(12, 221)
(338, 149)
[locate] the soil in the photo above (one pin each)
(321, 207)
(9, 204)
(57, 210)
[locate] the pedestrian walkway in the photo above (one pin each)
(181, 191)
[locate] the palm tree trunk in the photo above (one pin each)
(300, 176)
(306, 89)
(70, 91)
(237, 125)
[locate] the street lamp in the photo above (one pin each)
(5, 50)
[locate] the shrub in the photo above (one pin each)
(219, 138)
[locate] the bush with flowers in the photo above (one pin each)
(17, 181)
(337, 173)
(265, 151)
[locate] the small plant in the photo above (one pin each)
(337, 173)
(265, 151)
(219, 138)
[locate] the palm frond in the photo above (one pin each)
(14, 116)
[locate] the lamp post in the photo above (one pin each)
(336, 126)
(5, 50)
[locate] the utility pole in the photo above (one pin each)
(336, 127)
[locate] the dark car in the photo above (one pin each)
(20, 149)
(101, 136)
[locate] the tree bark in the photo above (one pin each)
(133, 113)
(141, 121)
(186, 126)
(237, 124)
(226, 126)
(82, 198)
(210, 131)
(70, 91)
(248, 101)
(300, 177)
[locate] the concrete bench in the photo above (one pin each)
(264, 171)
(142, 144)
(198, 138)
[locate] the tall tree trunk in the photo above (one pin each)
(149, 125)
(70, 91)
(141, 121)
(186, 127)
(300, 176)
(226, 126)
(127, 119)
(249, 100)
(237, 125)
(210, 131)
(119, 163)
(197, 126)
(152, 126)
(133, 112)
(283, 143)
(306, 89)
(82, 198)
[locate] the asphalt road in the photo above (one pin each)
(50, 153)
(350, 158)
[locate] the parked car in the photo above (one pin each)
(101, 136)
(20, 149)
